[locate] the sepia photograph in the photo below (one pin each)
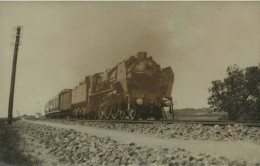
(129, 83)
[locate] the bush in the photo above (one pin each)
(238, 93)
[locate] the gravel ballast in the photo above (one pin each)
(56, 146)
(235, 132)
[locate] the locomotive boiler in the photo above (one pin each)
(135, 88)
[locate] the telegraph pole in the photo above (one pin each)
(11, 96)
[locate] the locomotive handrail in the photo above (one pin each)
(101, 92)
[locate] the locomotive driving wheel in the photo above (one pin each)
(114, 112)
(101, 112)
(108, 112)
(132, 113)
(121, 114)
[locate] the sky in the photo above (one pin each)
(65, 41)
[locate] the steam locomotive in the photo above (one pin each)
(135, 88)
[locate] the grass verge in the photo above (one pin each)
(10, 153)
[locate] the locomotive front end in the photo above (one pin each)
(148, 87)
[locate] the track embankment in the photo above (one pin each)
(197, 131)
(236, 132)
(74, 144)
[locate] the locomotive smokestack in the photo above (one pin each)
(141, 55)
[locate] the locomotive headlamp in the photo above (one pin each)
(139, 101)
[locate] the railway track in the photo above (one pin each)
(207, 123)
